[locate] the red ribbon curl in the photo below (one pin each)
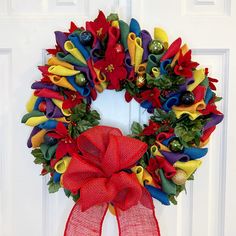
(101, 173)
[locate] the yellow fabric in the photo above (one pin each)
(131, 46)
(62, 165)
(115, 23)
(59, 103)
(192, 111)
(138, 52)
(143, 176)
(101, 77)
(188, 167)
(156, 72)
(69, 47)
(61, 70)
(37, 139)
(34, 121)
(101, 87)
(141, 70)
(199, 76)
(161, 35)
(61, 81)
(30, 104)
(55, 61)
(184, 49)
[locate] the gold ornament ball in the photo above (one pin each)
(180, 177)
(140, 81)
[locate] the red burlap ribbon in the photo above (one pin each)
(101, 173)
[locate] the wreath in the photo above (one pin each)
(96, 165)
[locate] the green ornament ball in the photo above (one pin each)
(156, 47)
(175, 145)
(80, 80)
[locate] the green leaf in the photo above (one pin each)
(67, 192)
(37, 153)
(217, 99)
(136, 128)
(172, 199)
(54, 187)
(112, 17)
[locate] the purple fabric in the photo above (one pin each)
(128, 65)
(215, 119)
(146, 39)
(96, 52)
(174, 157)
(52, 111)
(40, 85)
(33, 132)
(183, 87)
(61, 38)
(86, 71)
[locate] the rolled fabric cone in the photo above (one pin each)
(34, 131)
(142, 175)
(208, 96)
(69, 58)
(52, 111)
(199, 93)
(141, 69)
(75, 40)
(153, 61)
(134, 27)
(172, 101)
(174, 157)
(167, 185)
(37, 139)
(59, 103)
(146, 39)
(40, 85)
(60, 39)
(183, 49)
(61, 82)
(55, 61)
(156, 72)
(183, 87)
(44, 70)
(131, 47)
(62, 165)
(31, 103)
(198, 76)
(195, 153)
(34, 121)
(38, 101)
(158, 194)
(96, 52)
(84, 91)
(161, 35)
(215, 119)
(48, 125)
(56, 177)
(62, 71)
(206, 134)
(188, 167)
(124, 31)
(48, 151)
(47, 93)
(172, 50)
(163, 66)
(70, 47)
(30, 115)
(128, 64)
(113, 37)
(138, 52)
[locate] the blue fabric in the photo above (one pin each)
(38, 101)
(84, 91)
(166, 141)
(146, 104)
(163, 66)
(56, 177)
(49, 124)
(208, 96)
(135, 27)
(195, 153)
(174, 100)
(158, 194)
(74, 39)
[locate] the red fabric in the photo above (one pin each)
(207, 133)
(48, 93)
(113, 36)
(199, 93)
(98, 172)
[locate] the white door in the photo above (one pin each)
(26, 29)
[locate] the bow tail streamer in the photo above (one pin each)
(86, 223)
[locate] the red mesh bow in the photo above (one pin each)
(101, 174)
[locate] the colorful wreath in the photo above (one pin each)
(96, 165)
